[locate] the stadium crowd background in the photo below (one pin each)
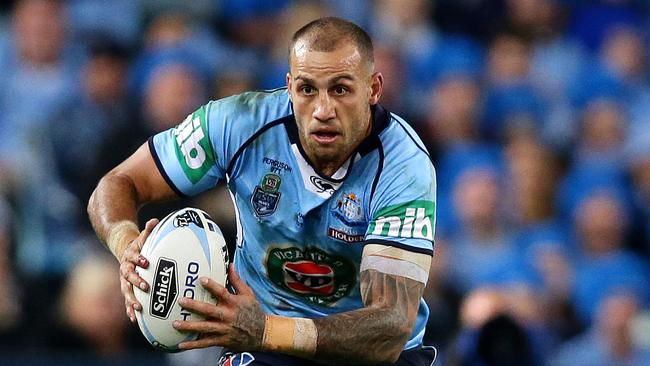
(536, 114)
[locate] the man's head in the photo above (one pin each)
(39, 30)
(327, 34)
(332, 85)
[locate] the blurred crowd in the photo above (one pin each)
(536, 114)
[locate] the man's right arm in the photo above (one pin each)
(112, 210)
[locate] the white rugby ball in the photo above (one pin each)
(185, 246)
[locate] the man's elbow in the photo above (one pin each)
(91, 207)
(101, 194)
(389, 353)
(92, 201)
(401, 336)
(389, 357)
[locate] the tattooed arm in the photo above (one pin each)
(391, 284)
(378, 332)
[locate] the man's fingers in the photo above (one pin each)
(127, 270)
(142, 262)
(236, 281)
(129, 296)
(130, 301)
(151, 224)
(202, 308)
(129, 312)
(218, 291)
(200, 343)
(200, 327)
(148, 228)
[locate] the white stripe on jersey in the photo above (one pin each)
(396, 267)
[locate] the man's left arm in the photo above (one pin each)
(391, 283)
(377, 333)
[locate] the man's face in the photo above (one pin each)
(331, 94)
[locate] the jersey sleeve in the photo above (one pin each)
(196, 154)
(402, 210)
(190, 156)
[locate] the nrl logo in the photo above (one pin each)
(322, 185)
(187, 218)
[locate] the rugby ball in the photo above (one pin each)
(182, 248)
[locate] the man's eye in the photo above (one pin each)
(306, 89)
(339, 90)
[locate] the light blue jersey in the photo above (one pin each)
(301, 234)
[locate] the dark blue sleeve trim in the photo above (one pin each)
(255, 135)
(413, 139)
(162, 171)
(380, 167)
(396, 244)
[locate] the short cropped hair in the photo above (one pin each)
(326, 34)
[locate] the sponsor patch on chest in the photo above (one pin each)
(311, 273)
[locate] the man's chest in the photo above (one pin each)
(276, 194)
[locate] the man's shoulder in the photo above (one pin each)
(240, 117)
(403, 148)
(253, 107)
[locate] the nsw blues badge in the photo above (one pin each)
(266, 196)
(348, 222)
(348, 209)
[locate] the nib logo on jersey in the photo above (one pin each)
(413, 219)
(165, 288)
(192, 145)
(311, 273)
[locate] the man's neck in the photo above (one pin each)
(329, 168)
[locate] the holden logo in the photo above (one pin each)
(164, 289)
(311, 273)
(322, 184)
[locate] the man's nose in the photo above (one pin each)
(324, 109)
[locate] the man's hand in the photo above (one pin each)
(131, 259)
(235, 322)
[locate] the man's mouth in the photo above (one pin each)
(325, 137)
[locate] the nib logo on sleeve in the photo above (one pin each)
(413, 219)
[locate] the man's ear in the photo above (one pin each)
(289, 84)
(376, 87)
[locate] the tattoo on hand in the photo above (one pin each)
(250, 326)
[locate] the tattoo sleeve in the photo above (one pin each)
(378, 332)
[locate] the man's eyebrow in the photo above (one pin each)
(341, 77)
(332, 81)
(304, 78)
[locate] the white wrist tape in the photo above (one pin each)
(290, 335)
(120, 236)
